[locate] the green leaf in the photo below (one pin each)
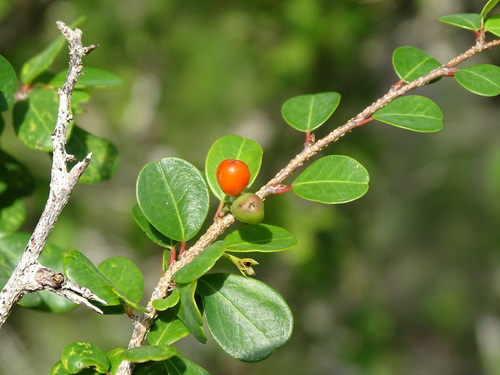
(58, 369)
(411, 63)
(143, 354)
(488, 7)
(247, 318)
(79, 97)
(167, 328)
(308, 112)
(81, 355)
(152, 233)
(167, 303)
(259, 237)
(91, 78)
(42, 61)
(413, 112)
(104, 159)
(493, 25)
(176, 365)
(12, 246)
(13, 216)
(34, 119)
(189, 313)
(115, 360)
(481, 79)
(201, 264)
(80, 269)
(124, 275)
(332, 179)
(232, 147)
(173, 197)
(470, 21)
(8, 85)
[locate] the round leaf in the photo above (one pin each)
(232, 147)
(247, 318)
(493, 25)
(481, 79)
(148, 353)
(104, 159)
(308, 112)
(35, 119)
(173, 197)
(332, 179)
(153, 234)
(411, 63)
(201, 264)
(413, 112)
(81, 355)
(470, 21)
(259, 237)
(8, 85)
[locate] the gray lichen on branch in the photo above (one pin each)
(29, 275)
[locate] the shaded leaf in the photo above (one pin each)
(247, 318)
(201, 264)
(81, 355)
(91, 78)
(34, 119)
(173, 197)
(413, 112)
(232, 147)
(481, 79)
(470, 21)
(189, 313)
(153, 234)
(104, 159)
(8, 85)
(124, 275)
(114, 357)
(259, 237)
(411, 63)
(167, 328)
(148, 353)
(332, 179)
(176, 365)
(12, 217)
(308, 112)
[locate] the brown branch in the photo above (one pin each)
(29, 275)
(165, 285)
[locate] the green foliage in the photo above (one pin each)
(469, 21)
(308, 112)
(8, 85)
(412, 112)
(82, 355)
(201, 264)
(149, 353)
(173, 197)
(411, 63)
(481, 79)
(260, 238)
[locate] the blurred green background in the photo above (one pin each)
(405, 280)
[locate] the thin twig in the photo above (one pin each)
(29, 275)
(144, 322)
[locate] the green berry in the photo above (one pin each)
(248, 208)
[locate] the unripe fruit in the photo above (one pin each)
(233, 176)
(248, 208)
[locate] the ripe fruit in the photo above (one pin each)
(233, 176)
(248, 208)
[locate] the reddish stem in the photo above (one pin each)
(182, 248)
(173, 256)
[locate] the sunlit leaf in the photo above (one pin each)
(167, 303)
(81, 355)
(259, 237)
(308, 112)
(153, 234)
(167, 328)
(124, 275)
(469, 21)
(201, 264)
(413, 112)
(488, 7)
(173, 197)
(232, 147)
(481, 79)
(247, 318)
(411, 63)
(332, 179)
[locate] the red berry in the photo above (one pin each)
(233, 176)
